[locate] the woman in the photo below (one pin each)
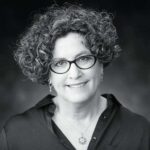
(68, 48)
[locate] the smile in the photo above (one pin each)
(77, 85)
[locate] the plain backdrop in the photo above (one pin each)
(128, 77)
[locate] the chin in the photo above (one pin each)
(77, 98)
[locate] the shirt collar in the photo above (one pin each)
(48, 101)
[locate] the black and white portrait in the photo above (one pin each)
(75, 75)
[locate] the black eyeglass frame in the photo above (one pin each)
(74, 61)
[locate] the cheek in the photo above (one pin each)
(57, 81)
(53, 79)
(97, 73)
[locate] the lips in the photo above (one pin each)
(76, 85)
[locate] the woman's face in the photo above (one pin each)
(76, 85)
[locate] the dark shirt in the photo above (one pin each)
(117, 129)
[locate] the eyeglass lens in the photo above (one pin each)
(63, 65)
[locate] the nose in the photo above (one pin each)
(74, 72)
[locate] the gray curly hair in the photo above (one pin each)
(35, 47)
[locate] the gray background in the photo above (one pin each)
(128, 77)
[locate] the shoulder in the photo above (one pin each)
(125, 114)
(32, 115)
(133, 129)
(127, 129)
(128, 119)
(133, 119)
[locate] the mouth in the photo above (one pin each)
(77, 85)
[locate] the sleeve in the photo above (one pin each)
(3, 141)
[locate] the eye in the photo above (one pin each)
(60, 63)
(85, 58)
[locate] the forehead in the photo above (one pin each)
(70, 46)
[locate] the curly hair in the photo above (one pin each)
(35, 47)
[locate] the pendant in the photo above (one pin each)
(82, 140)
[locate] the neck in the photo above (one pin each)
(79, 112)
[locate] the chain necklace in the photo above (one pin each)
(82, 139)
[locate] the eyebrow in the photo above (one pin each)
(76, 56)
(82, 53)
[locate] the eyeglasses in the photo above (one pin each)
(61, 66)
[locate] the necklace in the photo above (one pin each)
(82, 138)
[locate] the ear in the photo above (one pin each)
(51, 87)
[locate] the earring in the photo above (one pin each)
(50, 85)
